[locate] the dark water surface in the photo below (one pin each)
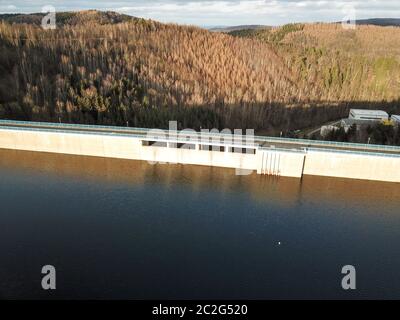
(127, 229)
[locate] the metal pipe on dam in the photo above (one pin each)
(265, 155)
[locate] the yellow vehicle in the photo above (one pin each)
(388, 122)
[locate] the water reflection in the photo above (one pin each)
(196, 178)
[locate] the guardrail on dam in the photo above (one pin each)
(266, 155)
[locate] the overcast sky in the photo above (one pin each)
(222, 12)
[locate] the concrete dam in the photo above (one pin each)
(264, 155)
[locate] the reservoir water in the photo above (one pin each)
(127, 229)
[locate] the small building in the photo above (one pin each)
(346, 124)
(396, 120)
(325, 130)
(368, 115)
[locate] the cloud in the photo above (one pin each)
(222, 12)
(7, 7)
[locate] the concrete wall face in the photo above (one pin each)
(277, 163)
(354, 166)
(202, 157)
(269, 162)
(120, 147)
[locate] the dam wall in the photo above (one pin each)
(251, 157)
(119, 146)
(280, 163)
(277, 163)
(353, 165)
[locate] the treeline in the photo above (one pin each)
(142, 73)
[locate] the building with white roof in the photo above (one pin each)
(369, 115)
(396, 119)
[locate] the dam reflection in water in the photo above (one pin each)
(128, 229)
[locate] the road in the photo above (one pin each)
(263, 141)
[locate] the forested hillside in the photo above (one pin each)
(335, 64)
(109, 69)
(68, 18)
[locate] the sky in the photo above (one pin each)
(207, 13)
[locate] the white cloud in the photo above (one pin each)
(7, 7)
